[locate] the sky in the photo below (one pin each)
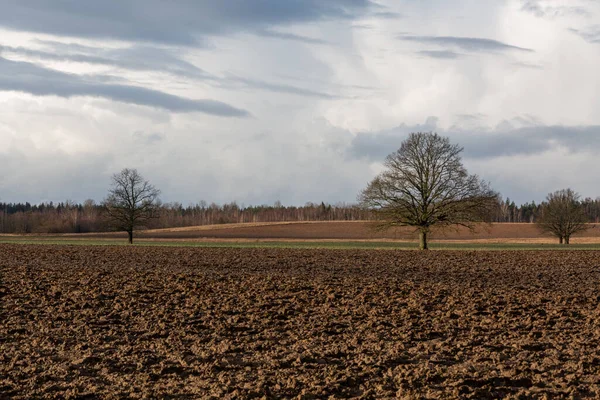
(256, 101)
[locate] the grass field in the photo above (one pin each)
(304, 244)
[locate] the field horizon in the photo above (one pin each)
(325, 234)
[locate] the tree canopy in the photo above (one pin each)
(425, 184)
(563, 215)
(131, 201)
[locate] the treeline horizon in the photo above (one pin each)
(71, 217)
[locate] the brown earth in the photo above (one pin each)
(354, 230)
(156, 322)
(347, 230)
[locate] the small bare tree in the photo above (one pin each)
(424, 184)
(563, 215)
(131, 201)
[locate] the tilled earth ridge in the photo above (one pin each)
(157, 322)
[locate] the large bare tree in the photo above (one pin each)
(563, 215)
(131, 201)
(424, 184)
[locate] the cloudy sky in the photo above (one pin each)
(293, 100)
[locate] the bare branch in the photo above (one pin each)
(131, 201)
(424, 185)
(563, 215)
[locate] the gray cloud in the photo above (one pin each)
(236, 82)
(590, 34)
(376, 146)
(351, 89)
(441, 54)
(387, 15)
(148, 138)
(541, 11)
(145, 58)
(363, 27)
(269, 33)
(465, 43)
(182, 22)
(30, 78)
(506, 140)
(527, 65)
(63, 177)
(532, 140)
(137, 58)
(471, 117)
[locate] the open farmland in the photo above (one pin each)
(364, 230)
(334, 231)
(355, 230)
(116, 322)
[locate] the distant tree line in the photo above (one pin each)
(531, 212)
(70, 217)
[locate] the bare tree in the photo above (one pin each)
(424, 184)
(563, 215)
(131, 201)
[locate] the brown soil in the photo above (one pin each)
(138, 322)
(364, 230)
(341, 230)
(353, 230)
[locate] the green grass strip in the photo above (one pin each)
(304, 244)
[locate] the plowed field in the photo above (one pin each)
(328, 230)
(154, 322)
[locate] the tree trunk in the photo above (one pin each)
(423, 240)
(560, 240)
(130, 233)
(567, 239)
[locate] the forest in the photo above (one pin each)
(70, 217)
